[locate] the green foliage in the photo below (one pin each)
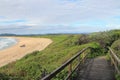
(83, 39)
(34, 65)
(39, 63)
(116, 47)
(104, 39)
(117, 77)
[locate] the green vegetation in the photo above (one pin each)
(116, 47)
(33, 66)
(38, 64)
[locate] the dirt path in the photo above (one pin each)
(24, 46)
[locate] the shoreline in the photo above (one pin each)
(9, 45)
(24, 46)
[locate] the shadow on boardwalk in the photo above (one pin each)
(97, 69)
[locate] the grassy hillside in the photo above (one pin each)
(32, 66)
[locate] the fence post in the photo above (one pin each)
(68, 64)
(70, 70)
(79, 63)
(111, 59)
(83, 56)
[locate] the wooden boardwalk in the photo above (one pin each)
(97, 69)
(92, 69)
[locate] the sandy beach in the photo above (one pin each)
(24, 46)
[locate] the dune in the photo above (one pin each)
(25, 45)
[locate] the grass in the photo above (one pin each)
(33, 65)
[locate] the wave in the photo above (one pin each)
(7, 42)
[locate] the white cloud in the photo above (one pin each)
(38, 13)
(112, 26)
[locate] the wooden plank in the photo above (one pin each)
(59, 69)
(115, 60)
(115, 65)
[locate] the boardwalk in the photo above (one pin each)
(97, 69)
(92, 69)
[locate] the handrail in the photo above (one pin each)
(115, 60)
(59, 69)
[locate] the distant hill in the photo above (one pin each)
(7, 34)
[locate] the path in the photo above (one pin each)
(97, 69)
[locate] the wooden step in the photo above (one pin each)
(97, 69)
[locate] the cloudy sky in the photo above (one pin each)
(58, 16)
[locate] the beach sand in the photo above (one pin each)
(25, 45)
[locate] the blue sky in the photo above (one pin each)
(58, 16)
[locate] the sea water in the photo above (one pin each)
(7, 42)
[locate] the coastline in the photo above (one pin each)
(7, 43)
(24, 46)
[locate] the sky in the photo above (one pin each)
(58, 16)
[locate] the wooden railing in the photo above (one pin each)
(115, 61)
(68, 64)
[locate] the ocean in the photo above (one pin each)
(7, 42)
